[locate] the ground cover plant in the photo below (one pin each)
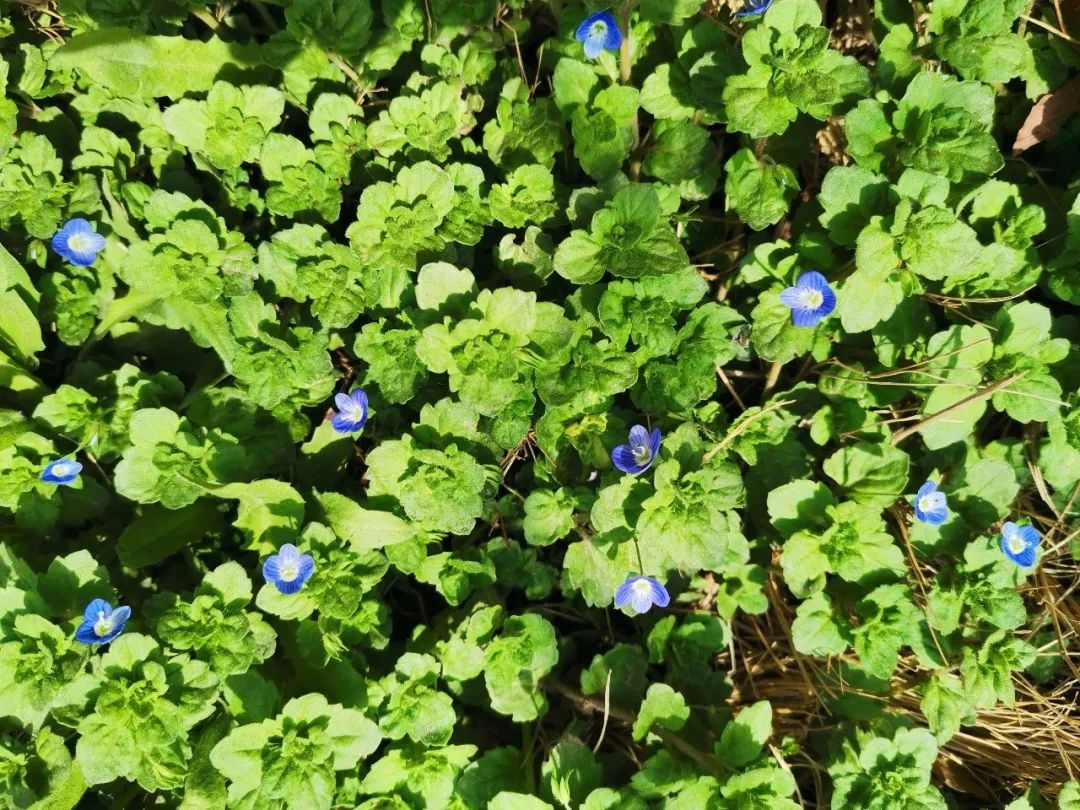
(506, 404)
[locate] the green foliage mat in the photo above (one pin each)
(463, 588)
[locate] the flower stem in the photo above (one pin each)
(625, 64)
(771, 380)
(637, 550)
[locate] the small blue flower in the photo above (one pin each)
(638, 455)
(101, 624)
(62, 471)
(78, 243)
(641, 593)
(1019, 543)
(930, 506)
(352, 411)
(288, 570)
(754, 8)
(810, 300)
(599, 31)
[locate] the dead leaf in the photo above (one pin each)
(1048, 115)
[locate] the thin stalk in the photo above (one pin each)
(626, 65)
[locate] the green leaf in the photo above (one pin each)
(856, 547)
(629, 238)
(746, 735)
(515, 661)
(215, 626)
(424, 125)
(364, 529)
(418, 711)
(774, 337)
(872, 293)
(20, 333)
(792, 69)
(442, 491)
(570, 772)
(663, 707)
(549, 516)
(669, 12)
(873, 474)
(851, 196)
(760, 192)
(143, 67)
(815, 630)
(945, 706)
(324, 738)
(157, 533)
(977, 39)
(603, 130)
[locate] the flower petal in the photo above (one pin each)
(271, 570)
(639, 437)
(936, 516)
(344, 423)
(1030, 535)
(812, 280)
(806, 317)
(828, 302)
(613, 36)
(655, 441)
(582, 32)
(289, 587)
(624, 592)
(925, 490)
(360, 400)
(792, 297)
(120, 616)
(623, 459)
(305, 568)
(660, 596)
(641, 600)
(343, 401)
(95, 608)
(85, 633)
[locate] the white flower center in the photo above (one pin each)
(598, 30)
(103, 626)
(63, 469)
(79, 242)
(1016, 544)
(811, 299)
(642, 587)
(642, 453)
(289, 571)
(926, 503)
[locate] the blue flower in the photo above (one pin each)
(930, 506)
(599, 31)
(78, 243)
(754, 8)
(641, 593)
(811, 299)
(62, 471)
(101, 624)
(1019, 543)
(352, 411)
(288, 570)
(638, 455)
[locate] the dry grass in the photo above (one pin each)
(1037, 739)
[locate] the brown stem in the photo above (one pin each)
(590, 705)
